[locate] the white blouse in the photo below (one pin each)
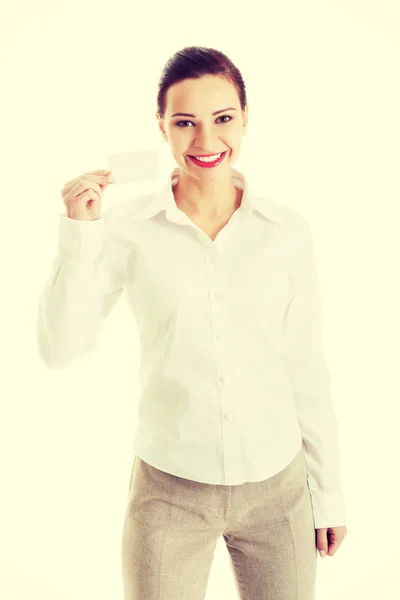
(233, 379)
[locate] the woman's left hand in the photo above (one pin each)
(329, 539)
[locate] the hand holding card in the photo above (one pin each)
(86, 191)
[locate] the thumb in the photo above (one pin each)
(322, 541)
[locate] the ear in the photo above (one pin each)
(161, 127)
(245, 119)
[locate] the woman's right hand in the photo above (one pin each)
(82, 195)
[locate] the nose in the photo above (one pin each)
(204, 140)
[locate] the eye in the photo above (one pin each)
(178, 123)
(226, 116)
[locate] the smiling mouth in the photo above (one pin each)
(208, 163)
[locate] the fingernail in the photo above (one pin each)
(111, 178)
(322, 553)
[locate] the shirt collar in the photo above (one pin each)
(149, 205)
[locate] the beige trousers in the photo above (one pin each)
(172, 525)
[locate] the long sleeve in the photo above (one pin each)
(85, 283)
(303, 356)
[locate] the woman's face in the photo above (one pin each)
(204, 133)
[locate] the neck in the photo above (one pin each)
(208, 200)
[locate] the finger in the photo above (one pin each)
(322, 541)
(333, 548)
(99, 172)
(76, 190)
(102, 180)
(89, 196)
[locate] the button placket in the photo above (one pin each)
(220, 328)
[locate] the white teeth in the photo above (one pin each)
(209, 158)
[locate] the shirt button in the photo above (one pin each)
(218, 336)
(230, 415)
(225, 379)
(217, 295)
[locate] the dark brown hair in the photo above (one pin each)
(194, 62)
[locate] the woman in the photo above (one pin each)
(236, 432)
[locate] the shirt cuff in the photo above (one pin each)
(329, 509)
(81, 240)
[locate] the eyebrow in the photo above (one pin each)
(190, 115)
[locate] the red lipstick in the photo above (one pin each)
(208, 165)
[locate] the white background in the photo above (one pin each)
(79, 81)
